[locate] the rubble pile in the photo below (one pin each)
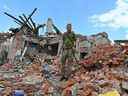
(41, 79)
(104, 54)
(30, 64)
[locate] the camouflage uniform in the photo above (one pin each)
(67, 54)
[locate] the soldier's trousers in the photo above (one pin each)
(67, 61)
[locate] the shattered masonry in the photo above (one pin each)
(30, 62)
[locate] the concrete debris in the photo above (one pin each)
(31, 65)
(124, 85)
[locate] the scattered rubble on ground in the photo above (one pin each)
(101, 69)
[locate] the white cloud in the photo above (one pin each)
(115, 18)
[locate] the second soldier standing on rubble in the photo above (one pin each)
(69, 40)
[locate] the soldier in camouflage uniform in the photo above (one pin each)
(69, 40)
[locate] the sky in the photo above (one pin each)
(87, 16)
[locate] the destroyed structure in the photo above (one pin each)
(30, 62)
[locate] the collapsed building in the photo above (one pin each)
(26, 41)
(23, 49)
